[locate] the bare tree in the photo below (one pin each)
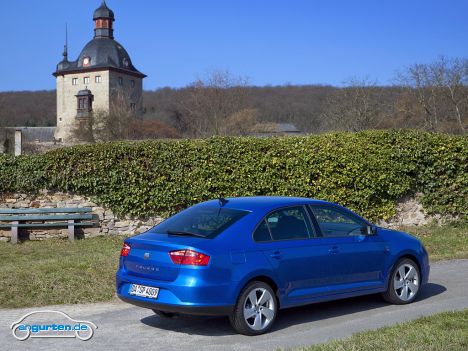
(407, 113)
(114, 124)
(204, 108)
(240, 122)
(121, 122)
(419, 80)
(441, 90)
(355, 107)
(452, 77)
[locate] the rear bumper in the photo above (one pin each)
(191, 310)
(185, 295)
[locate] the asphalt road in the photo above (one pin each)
(124, 327)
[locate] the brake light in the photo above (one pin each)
(189, 257)
(125, 250)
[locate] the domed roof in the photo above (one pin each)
(103, 12)
(105, 52)
(101, 52)
(84, 92)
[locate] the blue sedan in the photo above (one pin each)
(247, 258)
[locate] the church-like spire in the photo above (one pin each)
(65, 48)
(103, 19)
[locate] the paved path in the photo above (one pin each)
(124, 327)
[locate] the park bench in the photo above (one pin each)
(31, 218)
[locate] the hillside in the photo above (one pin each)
(311, 108)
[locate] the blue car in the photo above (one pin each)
(247, 258)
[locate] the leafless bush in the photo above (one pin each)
(240, 122)
(120, 123)
(211, 105)
(357, 106)
(440, 90)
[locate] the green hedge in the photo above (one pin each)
(367, 172)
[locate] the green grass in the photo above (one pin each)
(39, 273)
(58, 272)
(443, 242)
(444, 331)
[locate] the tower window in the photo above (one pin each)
(75, 81)
(82, 103)
(132, 82)
(98, 79)
(86, 80)
(120, 81)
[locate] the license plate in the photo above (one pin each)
(144, 291)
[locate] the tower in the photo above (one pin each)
(102, 77)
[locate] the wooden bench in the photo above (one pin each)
(46, 218)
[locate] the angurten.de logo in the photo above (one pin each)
(23, 330)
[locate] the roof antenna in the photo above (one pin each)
(222, 201)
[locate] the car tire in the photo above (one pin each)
(163, 314)
(404, 284)
(251, 317)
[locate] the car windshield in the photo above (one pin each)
(206, 222)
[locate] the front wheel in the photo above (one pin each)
(404, 283)
(255, 310)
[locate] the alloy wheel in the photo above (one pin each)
(259, 309)
(406, 282)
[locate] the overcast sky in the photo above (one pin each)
(269, 41)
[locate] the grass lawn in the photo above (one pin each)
(443, 243)
(38, 273)
(444, 331)
(50, 272)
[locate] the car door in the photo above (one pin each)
(286, 238)
(355, 260)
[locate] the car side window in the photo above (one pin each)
(262, 233)
(289, 223)
(333, 222)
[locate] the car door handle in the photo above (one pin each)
(334, 250)
(277, 255)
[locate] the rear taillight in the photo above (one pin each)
(189, 257)
(125, 250)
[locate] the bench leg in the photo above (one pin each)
(71, 230)
(14, 232)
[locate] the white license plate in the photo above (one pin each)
(144, 291)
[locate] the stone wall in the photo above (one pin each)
(410, 212)
(108, 223)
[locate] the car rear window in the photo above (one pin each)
(207, 222)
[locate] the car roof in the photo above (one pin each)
(253, 203)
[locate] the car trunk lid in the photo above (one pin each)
(149, 255)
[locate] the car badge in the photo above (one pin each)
(146, 255)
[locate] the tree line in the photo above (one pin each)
(432, 97)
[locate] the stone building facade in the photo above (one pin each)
(103, 76)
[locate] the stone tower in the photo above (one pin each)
(103, 76)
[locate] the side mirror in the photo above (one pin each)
(371, 229)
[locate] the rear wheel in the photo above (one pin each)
(404, 284)
(255, 310)
(165, 314)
